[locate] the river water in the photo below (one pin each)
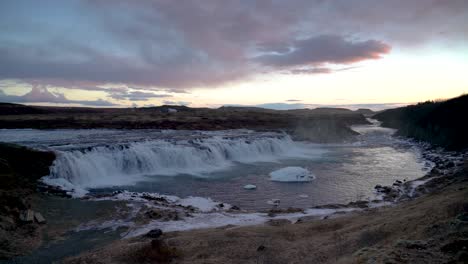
(218, 164)
(194, 165)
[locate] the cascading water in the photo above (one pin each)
(158, 161)
(126, 164)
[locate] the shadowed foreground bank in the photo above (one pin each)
(429, 229)
(20, 168)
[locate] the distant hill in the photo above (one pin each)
(441, 123)
(318, 125)
(365, 111)
(17, 109)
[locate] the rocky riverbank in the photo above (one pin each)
(20, 224)
(432, 228)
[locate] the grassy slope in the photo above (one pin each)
(439, 123)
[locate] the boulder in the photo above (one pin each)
(274, 202)
(306, 219)
(155, 233)
(359, 204)
(161, 214)
(39, 218)
(278, 222)
(27, 216)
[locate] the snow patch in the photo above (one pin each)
(250, 187)
(292, 174)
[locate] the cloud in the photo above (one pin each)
(176, 45)
(325, 49)
(318, 70)
(293, 100)
(40, 94)
(176, 103)
(136, 95)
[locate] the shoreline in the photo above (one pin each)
(441, 167)
(391, 195)
(280, 219)
(383, 238)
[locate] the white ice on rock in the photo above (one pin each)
(292, 174)
(219, 219)
(250, 187)
(202, 204)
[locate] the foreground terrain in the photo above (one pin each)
(429, 229)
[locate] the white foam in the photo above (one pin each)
(292, 174)
(123, 165)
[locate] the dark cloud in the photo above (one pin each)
(293, 100)
(178, 45)
(39, 94)
(325, 49)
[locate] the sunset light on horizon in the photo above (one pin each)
(272, 54)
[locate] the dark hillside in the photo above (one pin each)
(440, 123)
(17, 109)
(318, 125)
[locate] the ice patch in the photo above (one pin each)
(219, 219)
(292, 174)
(72, 190)
(274, 202)
(250, 187)
(208, 215)
(202, 204)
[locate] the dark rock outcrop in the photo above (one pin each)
(20, 168)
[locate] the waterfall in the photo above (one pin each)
(125, 164)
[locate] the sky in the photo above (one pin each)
(208, 53)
